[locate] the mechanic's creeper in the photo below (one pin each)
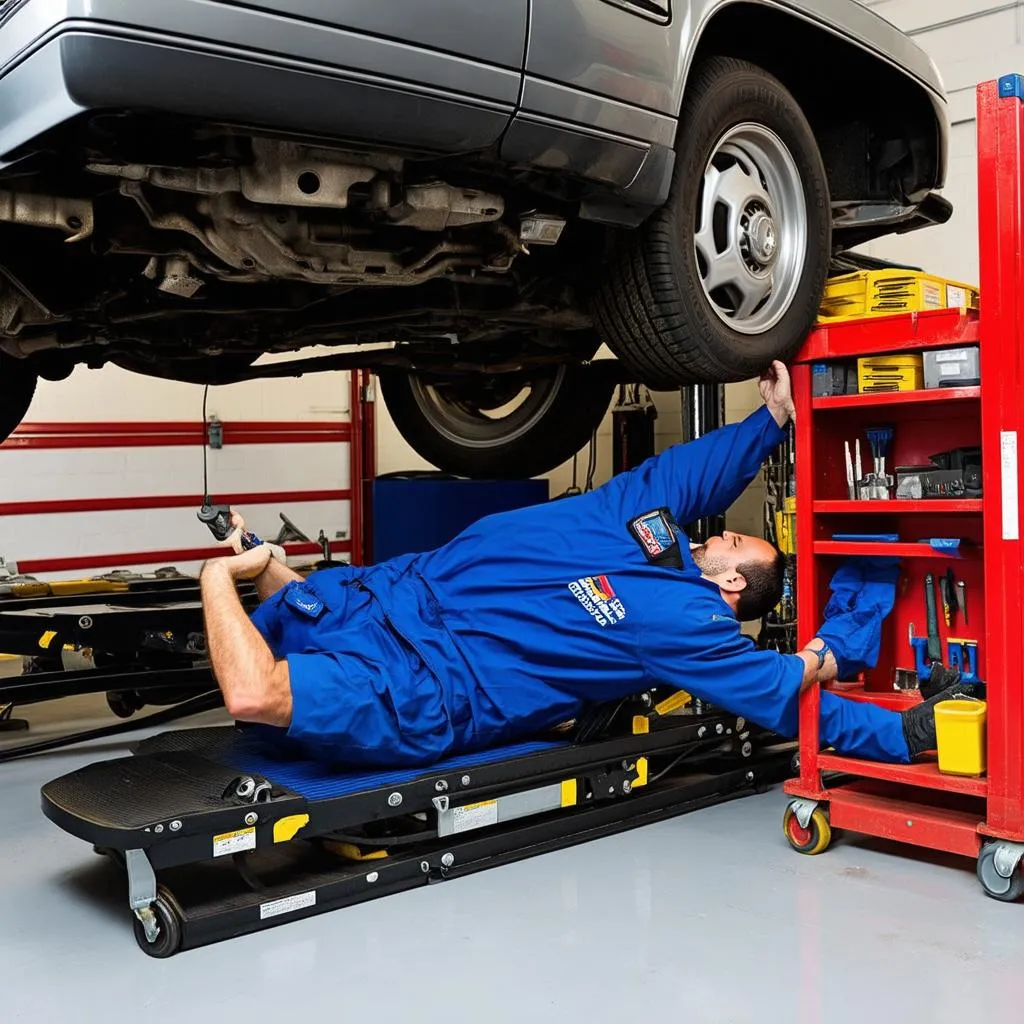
(218, 519)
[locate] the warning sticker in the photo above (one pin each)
(465, 819)
(288, 905)
(234, 842)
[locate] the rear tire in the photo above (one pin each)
(669, 314)
(17, 389)
(463, 426)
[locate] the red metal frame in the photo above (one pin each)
(918, 804)
(359, 432)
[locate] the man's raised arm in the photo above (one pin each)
(704, 477)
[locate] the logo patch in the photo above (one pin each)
(304, 601)
(597, 596)
(654, 533)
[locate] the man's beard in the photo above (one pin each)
(709, 565)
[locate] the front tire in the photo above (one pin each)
(471, 427)
(729, 274)
(17, 389)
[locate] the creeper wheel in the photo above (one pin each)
(813, 839)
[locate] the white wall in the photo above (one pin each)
(971, 41)
(111, 394)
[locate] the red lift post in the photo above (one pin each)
(981, 817)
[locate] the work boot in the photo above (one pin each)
(919, 721)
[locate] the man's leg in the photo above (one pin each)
(858, 729)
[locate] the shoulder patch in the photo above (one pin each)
(658, 536)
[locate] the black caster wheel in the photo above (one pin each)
(168, 923)
(812, 840)
(123, 704)
(993, 879)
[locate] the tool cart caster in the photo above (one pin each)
(806, 827)
(999, 871)
(158, 927)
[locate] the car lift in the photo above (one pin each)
(218, 838)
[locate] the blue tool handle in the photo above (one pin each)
(921, 664)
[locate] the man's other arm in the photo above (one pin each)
(704, 477)
(254, 683)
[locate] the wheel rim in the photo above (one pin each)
(995, 882)
(485, 418)
(751, 229)
(797, 833)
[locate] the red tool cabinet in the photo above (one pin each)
(979, 817)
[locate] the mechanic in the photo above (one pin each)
(530, 616)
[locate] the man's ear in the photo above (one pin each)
(732, 582)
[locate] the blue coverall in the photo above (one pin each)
(530, 615)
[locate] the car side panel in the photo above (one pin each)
(606, 50)
(492, 31)
(385, 79)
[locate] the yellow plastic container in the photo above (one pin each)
(960, 729)
(890, 373)
(885, 292)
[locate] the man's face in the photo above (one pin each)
(720, 556)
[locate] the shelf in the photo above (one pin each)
(936, 821)
(886, 550)
(936, 507)
(897, 398)
(925, 775)
(900, 332)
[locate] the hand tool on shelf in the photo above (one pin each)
(858, 470)
(962, 599)
(850, 485)
(947, 588)
(877, 486)
(934, 644)
(921, 664)
(963, 656)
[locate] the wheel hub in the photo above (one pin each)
(759, 240)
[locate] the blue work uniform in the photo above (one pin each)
(529, 616)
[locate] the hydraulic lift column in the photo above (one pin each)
(703, 410)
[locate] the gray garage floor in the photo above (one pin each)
(706, 918)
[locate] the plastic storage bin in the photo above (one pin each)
(960, 728)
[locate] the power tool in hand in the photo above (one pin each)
(218, 519)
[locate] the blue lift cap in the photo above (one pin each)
(1010, 86)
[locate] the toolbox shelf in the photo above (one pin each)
(984, 575)
(926, 775)
(900, 507)
(884, 549)
(897, 398)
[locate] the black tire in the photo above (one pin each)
(444, 422)
(168, 940)
(17, 389)
(652, 308)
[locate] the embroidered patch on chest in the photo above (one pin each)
(597, 596)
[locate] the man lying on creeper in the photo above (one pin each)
(529, 616)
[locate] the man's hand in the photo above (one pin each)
(245, 566)
(777, 393)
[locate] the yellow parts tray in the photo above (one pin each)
(960, 729)
(890, 373)
(886, 292)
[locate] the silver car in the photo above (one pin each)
(466, 196)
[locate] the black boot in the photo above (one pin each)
(939, 680)
(919, 721)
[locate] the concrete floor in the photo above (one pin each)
(709, 918)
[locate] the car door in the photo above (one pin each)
(602, 85)
(455, 64)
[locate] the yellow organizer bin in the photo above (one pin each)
(960, 728)
(885, 292)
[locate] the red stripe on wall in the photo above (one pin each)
(37, 436)
(26, 508)
(176, 426)
(37, 565)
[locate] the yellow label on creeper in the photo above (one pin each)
(234, 842)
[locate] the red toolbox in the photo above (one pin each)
(980, 816)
